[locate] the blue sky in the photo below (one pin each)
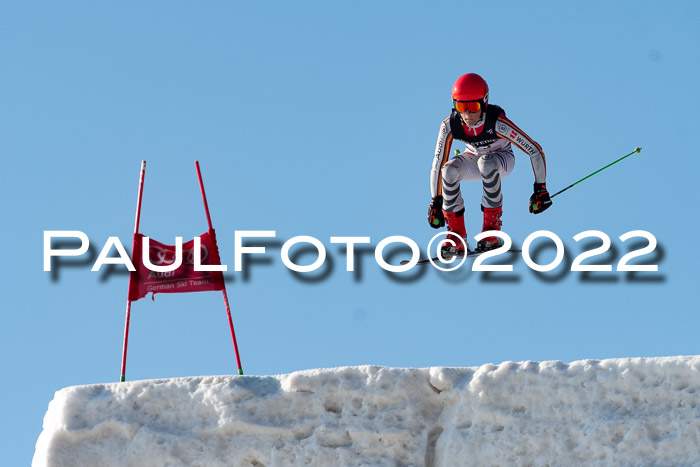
(321, 119)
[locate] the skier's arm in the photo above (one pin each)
(540, 200)
(442, 154)
(436, 219)
(509, 131)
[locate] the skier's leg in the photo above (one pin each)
(453, 203)
(452, 200)
(493, 167)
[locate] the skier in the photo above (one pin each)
(488, 157)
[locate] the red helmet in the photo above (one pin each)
(471, 87)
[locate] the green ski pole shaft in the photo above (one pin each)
(636, 150)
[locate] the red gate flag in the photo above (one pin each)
(184, 278)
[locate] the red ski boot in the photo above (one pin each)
(452, 245)
(492, 221)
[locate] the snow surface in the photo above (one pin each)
(639, 411)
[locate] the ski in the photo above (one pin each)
(470, 254)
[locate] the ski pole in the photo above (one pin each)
(636, 150)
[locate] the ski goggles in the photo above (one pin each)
(467, 106)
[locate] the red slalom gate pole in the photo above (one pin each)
(225, 295)
(128, 302)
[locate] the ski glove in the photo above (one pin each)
(540, 200)
(435, 216)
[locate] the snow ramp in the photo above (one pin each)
(636, 411)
